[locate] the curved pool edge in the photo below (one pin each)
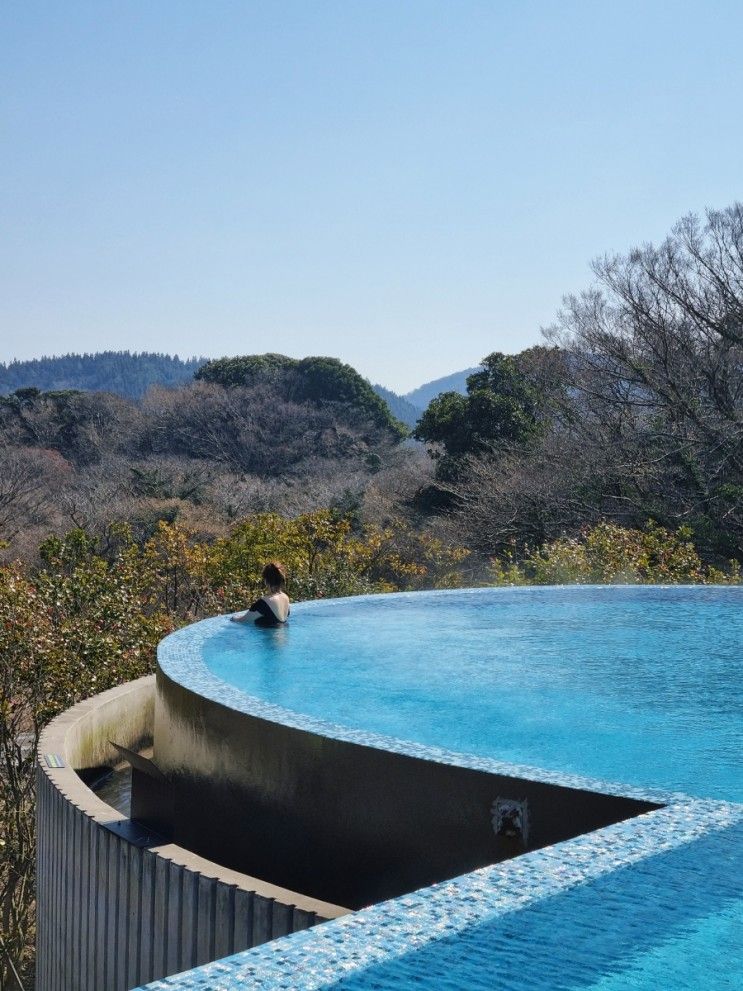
(390, 930)
(179, 658)
(107, 888)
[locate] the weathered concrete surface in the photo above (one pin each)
(113, 914)
(345, 822)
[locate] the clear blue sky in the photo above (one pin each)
(404, 185)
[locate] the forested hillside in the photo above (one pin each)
(400, 408)
(612, 454)
(131, 374)
(313, 380)
(121, 372)
(633, 413)
(422, 396)
(248, 434)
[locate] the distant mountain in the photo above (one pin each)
(404, 411)
(131, 375)
(456, 382)
(120, 372)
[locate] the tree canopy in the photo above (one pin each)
(314, 380)
(656, 361)
(121, 372)
(501, 410)
(638, 410)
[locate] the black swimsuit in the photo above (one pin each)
(267, 616)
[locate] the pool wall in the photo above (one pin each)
(114, 910)
(339, 820)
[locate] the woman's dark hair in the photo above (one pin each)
(274, 575)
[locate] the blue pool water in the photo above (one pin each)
(637, 685)
(632, 685)
(665, 923)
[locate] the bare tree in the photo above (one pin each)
(655, 357)
(29, 481)
(252, 430)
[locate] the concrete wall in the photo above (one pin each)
(113, 911)
(345, 822)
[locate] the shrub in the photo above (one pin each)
(611, 554)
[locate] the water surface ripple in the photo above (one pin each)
(639, 685)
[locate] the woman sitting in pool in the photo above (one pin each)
(271, 609)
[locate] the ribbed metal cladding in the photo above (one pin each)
(112, 915)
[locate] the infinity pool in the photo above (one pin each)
(635, 690)
(638, 685)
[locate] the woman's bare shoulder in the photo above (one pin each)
(278, 603)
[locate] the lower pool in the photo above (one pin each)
(639, 685)
(673, 921)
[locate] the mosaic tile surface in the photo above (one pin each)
(384, 933)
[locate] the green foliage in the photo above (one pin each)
(612, 554)
(23, 625)
(106, 613)
(24, 396)
(327, 379)
(309, 380)
(244, 370)
(120, 372)
(499, 410)
(79, 626)
(326, 555)
(445, 422)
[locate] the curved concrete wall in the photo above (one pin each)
(341, 820)
(114, 912)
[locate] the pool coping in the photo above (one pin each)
(391, 929)
(179, 657)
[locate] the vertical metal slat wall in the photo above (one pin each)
(111, 915)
